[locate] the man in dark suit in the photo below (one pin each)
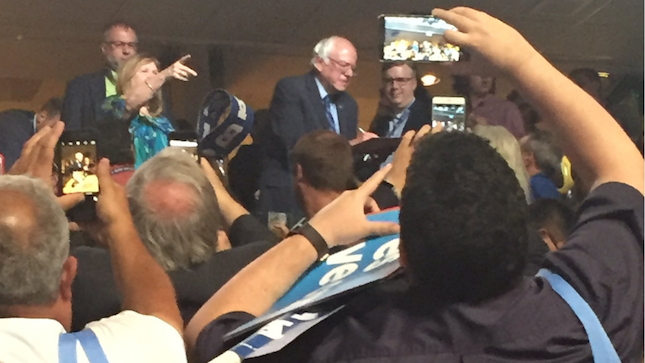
(85, 94)
(300, 105)
(400, 111)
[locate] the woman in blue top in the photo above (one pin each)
(139, 99)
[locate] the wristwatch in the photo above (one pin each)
(315, 239)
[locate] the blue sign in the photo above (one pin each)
(342, 271)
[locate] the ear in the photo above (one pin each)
(67, 278)
(318, 64)
(547, 238)
(299, 176)
(104, 48)
(403, 257)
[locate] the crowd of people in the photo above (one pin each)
(521, 239)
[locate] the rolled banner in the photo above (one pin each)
(222, 124)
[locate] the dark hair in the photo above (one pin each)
(389, 65)
(116, 24)
(463, 219)
(552, 214)
(53, 106)
(583, 76)
(326, 160)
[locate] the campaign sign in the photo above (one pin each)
(274, 336)
(353, 267)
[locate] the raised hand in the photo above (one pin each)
(112, 207)
(343, 221)
(495, 47)
(179, 70)
(403, 155)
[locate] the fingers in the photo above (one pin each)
(374, 181)
(183, 59)
(68, 201)
(189, 70)
(42, 167)
(371, 206)
(181, 78)
(383, 228)
(407, 138)
(421, 133)
(459, 17)
(105, 178)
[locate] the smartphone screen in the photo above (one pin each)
(450, 112)
(78, 165)
(186, 142)
(417, 38)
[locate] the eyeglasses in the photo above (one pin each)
(399, 80)
(344, 66)
(132, 45)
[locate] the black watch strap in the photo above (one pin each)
(315, 239)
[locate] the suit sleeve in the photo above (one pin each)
(72, 113)
(287, 116)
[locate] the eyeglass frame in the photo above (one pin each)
(344, 66)
(398, 80)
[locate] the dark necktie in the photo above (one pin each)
(330, 116)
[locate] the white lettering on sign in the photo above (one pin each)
(387, 253)
(274, 329)
(241, 113)
(345, 256)
(338, 273)
(227, 136)
(207, 130)
(305, 316)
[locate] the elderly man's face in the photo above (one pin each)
(338, 70)
(119, 45)
(399, 83)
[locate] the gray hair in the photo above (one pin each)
(184, 240)
(30, 272)
(323, 49)
(548, 156)
(507, 146)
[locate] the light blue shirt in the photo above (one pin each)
(334, 110)
(397, 124)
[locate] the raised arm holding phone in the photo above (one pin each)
(463, 242)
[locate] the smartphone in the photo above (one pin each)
(185, 141)
(417, 38)
(450, 112)
(76, 163)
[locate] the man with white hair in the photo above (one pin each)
(301, 104)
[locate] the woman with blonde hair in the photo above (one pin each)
(139, 100)
(507, 146)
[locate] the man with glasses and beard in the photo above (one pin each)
(85, 94)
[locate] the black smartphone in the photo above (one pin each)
(450, 112)
(186, 141)
(417, 38)
(76, 162)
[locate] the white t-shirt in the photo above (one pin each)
(125, 337)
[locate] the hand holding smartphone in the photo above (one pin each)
(450, 112)
(417, 38)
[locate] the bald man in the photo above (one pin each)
(317, 100)
(179, 217)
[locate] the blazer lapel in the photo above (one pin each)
(317, 103)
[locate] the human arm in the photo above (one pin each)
(242, 228)
(590, 137)
(140, 92)
(144, 285)
(258, 286)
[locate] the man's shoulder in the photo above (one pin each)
(86, 78)
(298, 82)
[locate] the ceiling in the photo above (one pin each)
(39, 36)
